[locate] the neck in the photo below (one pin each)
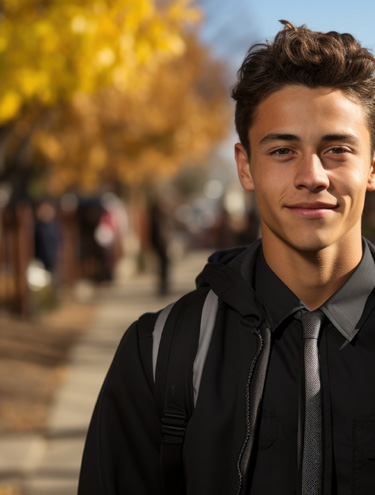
(313, 276)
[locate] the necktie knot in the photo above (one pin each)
(311, 323)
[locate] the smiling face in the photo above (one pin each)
(310, 167)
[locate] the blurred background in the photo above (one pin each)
(116, 169)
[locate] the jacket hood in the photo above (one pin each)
(230, 273)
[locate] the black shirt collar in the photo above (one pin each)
(344, 309)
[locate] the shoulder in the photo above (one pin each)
(181, 331)
(188, 319)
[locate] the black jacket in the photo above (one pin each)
(122, 449)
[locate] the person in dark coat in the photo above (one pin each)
(47, 235)
(159, 238)
(281, 388)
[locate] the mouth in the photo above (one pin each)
(315, 209)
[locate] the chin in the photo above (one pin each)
(312, 245)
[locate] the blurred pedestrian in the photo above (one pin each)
(47, 235)
(159, 237)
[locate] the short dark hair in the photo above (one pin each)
(300, 56)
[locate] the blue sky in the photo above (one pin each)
(355, 17)
(231, 26)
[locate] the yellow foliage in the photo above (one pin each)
(10, 103)
(107, 90)
(145, 136)
(50, 50)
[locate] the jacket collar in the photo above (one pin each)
(347, 309)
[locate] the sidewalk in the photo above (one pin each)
(49, 464)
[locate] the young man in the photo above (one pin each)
(283, 375)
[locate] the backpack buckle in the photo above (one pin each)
(173, 426)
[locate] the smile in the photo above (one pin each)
(312, 210)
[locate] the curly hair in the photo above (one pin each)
(300, 56)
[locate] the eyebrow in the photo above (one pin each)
(350, 138)
(278, 137)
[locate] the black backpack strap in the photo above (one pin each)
(173, 384)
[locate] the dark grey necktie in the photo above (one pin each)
(312, 452)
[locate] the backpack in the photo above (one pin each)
(185, 330)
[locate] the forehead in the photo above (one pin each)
(309, 110)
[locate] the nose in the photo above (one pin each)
(311, 174)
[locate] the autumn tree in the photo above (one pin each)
(113, 90)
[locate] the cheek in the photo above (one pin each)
(276, 186)
(353, 185)
(352, 200)
(267, 179)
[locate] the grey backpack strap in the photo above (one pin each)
(157, 333)
(208, 319)
(182, 336)
(206, 328)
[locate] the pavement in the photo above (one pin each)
(49, 463)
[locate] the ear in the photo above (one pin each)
(243, 167)
(371, 177)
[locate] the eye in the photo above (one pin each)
(338, 150)
(281, 151)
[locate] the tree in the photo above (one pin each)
(113, 90)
